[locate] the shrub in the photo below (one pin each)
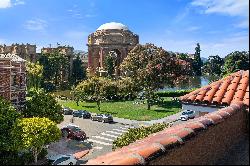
(176, 93)
(137, 133)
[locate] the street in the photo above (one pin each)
(100, 136)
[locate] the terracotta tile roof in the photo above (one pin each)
(145, 150)
(230, 89)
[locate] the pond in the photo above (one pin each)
(192, 82)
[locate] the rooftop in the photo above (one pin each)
(233, 88)
(13, 57)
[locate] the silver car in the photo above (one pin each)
(187, 114)
(62, 160)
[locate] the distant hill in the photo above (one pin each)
(204, 59)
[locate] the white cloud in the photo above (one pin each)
(36, 24)
(2, 41)
(5, 4)
(76, 34)
(19, 2)
(243, 24)
(90, 15)
(229, 7)
(238, 8)
(226, 46)
(193, 28)
(10, 3)
(182, 15)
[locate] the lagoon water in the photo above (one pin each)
(193, 82)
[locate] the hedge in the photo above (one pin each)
(137, 133)
(176, 93)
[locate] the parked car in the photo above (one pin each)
(187, 114)
(62, 160)
(102, 118)
(73, 132)
(81, 114)
(67, 111)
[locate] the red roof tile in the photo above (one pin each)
(233, 88)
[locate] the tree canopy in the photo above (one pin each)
(150, 67)
(197, 62)
(8, 116)
(34, 75)
(42, 105)
(78, 71)
(92, 89)
(236, 61)
(213, 66)
(33, 133)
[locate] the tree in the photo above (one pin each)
(43, 105)
(150, 67)
(110, 63)
(56, 66)
(33, 133)
(78, 71)
(213, 66)
(92, 89)
(236, 61)
(34, 72)
(8, 116)
(197, 62)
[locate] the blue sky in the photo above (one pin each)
(220, 26)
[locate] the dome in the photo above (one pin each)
(113, 25)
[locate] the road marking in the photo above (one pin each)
(124, 128)
(114, 136)
(114, 132)
(120, 130)
(97, 147)
(103, 138)
(99, 142)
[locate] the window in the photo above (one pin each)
(13, 80)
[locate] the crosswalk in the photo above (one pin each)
(107, 138)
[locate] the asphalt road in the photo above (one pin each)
(100, 136)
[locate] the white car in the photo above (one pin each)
(62, 160)
(187, 114)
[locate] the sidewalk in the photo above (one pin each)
(136, 123)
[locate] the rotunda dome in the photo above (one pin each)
(113, 25)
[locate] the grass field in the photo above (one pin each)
(128, 110)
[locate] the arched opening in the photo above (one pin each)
(112, 62)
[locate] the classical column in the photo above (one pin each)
(90, 59)
(101, 58)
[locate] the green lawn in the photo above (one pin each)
(128, 110)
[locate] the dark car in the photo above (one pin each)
(67, 111)
(102, 118)
(73, 132)
(81, 114)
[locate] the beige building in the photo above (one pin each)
(25, 51)
(109, 37)
(13, 79)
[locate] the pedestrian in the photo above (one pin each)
(72, 120)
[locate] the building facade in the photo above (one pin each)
(109, 37)
(13, 79)
(25, 51)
